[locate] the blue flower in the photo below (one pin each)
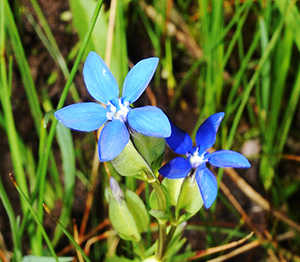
(117, 115)
(197, 157)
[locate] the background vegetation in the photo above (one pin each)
(239, 56)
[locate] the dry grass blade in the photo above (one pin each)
(151, 96)
(140, 189)
(239, 208)
(183, 35)
(95, 239)
(213, 250)
(105, 223)
(2, 257)
(76, 238)
(5, 255)
(238, 251)
(113, 246)
(283, 253)
(291, 157)
(88, 205)
(258, 199)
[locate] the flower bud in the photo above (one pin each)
(119, 214)
(127, 213)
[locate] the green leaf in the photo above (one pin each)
(292, 18)
(171, 188)
(65, 142)
(130, 163)
(190, 199)
(176, 243)
(158, 214)
(82, 11)
(183, 197)
(138, 210)
(151, 148)
(266, 171)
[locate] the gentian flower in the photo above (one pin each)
(117, 115)
(197, 157)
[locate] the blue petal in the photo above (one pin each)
(208, 186)
(207, 132)
(228, 158)
(83, 116)
(139, 78)
(98, 79)
(178, 167)
(179, 141)
(149, 121)
(113, 139)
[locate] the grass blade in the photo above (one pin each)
(43, 163)
(39, 223)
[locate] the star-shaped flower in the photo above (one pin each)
(197, 157)
(117, 115)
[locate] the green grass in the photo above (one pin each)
(240, 57)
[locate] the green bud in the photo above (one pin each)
(127, 213)
(117, 192)
(119, 213)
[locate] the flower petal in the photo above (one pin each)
(228, 158)
(149, 121)
(178, 167)
(98, 79)
(139, 78)
(208, 186)
(207, 132)
(113, 139)
(83, 116)
(179, 141)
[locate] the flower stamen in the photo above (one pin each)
(196, 159)
(118, 110)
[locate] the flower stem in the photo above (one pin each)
(162, 223)
(161, 242)
(162, 201)
(170, 234)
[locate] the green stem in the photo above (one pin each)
(162, 224)
(161, 241)
(170, 234)
(141, 248)
(162, 201)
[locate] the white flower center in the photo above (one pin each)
(118, 111)
(196, 159)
